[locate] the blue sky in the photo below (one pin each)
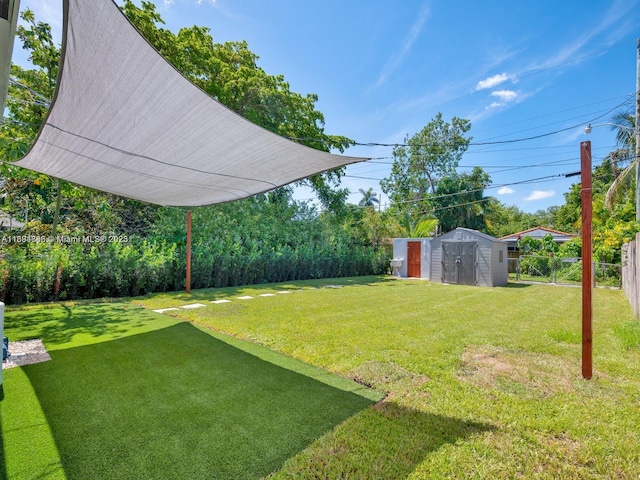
(383, 69)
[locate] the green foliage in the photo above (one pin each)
(229, 72)
(263, 239)
(431, 155)
(537, 255)
(502, 220)
(460, 201)
(407, 227)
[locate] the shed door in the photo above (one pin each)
(467, 265)
(459, 262)
(449, 256)
(413, 259)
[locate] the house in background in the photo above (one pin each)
(537, 233)
(468, 257)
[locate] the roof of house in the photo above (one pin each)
(539, 232)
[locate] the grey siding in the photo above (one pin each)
(490, 272)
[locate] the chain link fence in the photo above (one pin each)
(562, 271)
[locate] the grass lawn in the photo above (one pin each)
(481, 382)
(134, 394)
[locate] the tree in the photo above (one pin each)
(460, 201)
(369, 198)
(52, 201)
(502, 220)
(407, 227)
(623, 184)
(428, 156)
(229, 72)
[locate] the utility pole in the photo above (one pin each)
(586, 196)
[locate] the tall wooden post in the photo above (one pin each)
(188, 279)
(587, 259)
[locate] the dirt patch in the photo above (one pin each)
(25, 352)
(518, 371)
(385, 376)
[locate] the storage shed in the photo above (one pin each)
(416, 257)
(468, 257)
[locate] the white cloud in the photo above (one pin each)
(493, 81)
(539, 195)
(505, 95)
(414, 32)
(505, 191)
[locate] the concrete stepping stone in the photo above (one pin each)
(224, 300)
(267, 295)
(246, 297)
(193, 305)
(162, 310)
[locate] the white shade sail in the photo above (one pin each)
(124, 121)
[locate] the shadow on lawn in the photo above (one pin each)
(57, 325)
(387, 441)
(217, 293)
(179, 403)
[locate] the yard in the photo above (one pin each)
(479, 382)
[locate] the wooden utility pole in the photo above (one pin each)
(188, 279)
(587, 259)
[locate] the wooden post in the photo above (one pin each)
(587, 259)
(188, 279)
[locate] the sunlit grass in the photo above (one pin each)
(481, 382)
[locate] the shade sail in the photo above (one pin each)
(124, 121)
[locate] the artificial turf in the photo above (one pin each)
(133, 394)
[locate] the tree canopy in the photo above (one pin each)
(230, 73)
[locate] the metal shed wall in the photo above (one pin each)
(491, 266)
(400, 251)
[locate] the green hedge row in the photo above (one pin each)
(42, 272)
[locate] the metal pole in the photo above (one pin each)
(637, 131)
(587, 260)
(188, 279)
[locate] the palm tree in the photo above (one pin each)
(625, 123)
(422, 228)
(369, 198)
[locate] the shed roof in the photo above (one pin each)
(125, 121)
(473, 232)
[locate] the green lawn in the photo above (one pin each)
(481, 382)
(134, 394)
